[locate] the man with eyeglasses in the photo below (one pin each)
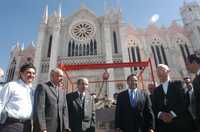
(16, 102)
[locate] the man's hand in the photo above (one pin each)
(166, 117)
(67, 130)
(44, 130)
(150, 130)
(118, 130)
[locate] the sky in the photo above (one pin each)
(20, 19)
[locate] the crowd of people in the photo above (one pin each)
(172, 106)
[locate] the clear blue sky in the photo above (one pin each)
(19, 19)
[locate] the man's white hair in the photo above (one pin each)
(163, 66)
(56, 70)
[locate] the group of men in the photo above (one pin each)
(46, 108)
(174, 106)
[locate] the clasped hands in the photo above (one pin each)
(166, 117)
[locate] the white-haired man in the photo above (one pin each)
(51, 111)
(169, 103)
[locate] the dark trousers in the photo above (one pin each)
(16, 126)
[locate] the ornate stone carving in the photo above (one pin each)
(82, 30)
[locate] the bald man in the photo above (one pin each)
(51, 111)
(169, 103)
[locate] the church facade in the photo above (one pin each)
(85, 38)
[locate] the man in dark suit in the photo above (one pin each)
(193, 65)
(51, 111)
(133, 109)
(169, 103)
(81, 108)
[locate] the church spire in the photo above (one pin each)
(45, 16)
(60, 10)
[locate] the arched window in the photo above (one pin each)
(163, 53)
(134, 51)
(154, 55)
(76, 50)
(184, 48)
(95, 47)
(115, 42)
(87, 50)
(11, 72)
(198, 28)
(73, 48)
(91, 48)
(84, 50)
(49, 48)
(80, 50)
(158, 52)
(183, 43)
(69, 48)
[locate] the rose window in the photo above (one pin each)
(83, 31)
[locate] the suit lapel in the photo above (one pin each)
(168, 89)
(161, 91)
(128, 98)
(78, 100)
(53, 90)
(60, 95)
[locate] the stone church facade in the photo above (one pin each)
(85, 38)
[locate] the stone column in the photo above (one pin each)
(39, 48)
(108, 56)
(55, 46)
(123, 42)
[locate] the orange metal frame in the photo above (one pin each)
(142, 64)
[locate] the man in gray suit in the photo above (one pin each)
(51, 111)
(81, 108)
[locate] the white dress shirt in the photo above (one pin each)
(17, 98)
(165, 86)
(83, 95)
(132, 92)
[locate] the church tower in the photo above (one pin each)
(190, 13)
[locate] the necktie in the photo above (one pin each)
(188, 98)
(81, 96)
(133, 98)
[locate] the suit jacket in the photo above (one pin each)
(174, 101)
(131, 119)
(81, 119)
(50, 109)
(196, 97)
